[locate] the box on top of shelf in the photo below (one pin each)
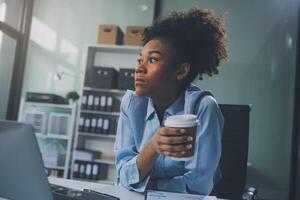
(126, 79)
(101, 77)
(110, 34)
(133, 35)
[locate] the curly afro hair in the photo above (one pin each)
(197, 38)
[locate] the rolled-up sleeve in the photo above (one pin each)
(199, 172)
(126, 151)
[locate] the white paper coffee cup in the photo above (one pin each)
(188, 122)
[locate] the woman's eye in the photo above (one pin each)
(153, 60)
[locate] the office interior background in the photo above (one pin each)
(42, 37)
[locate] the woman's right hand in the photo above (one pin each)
(171, 141)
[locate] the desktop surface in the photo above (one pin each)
(116, 191)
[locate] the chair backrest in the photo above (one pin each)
(234, 157)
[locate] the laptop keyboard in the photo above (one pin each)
(64, 193)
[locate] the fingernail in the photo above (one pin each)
(182, 130)
(189, 146)
(183, 152)
(190, 139)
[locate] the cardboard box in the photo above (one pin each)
(133, 35)
(110, 34)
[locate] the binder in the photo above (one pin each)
(95, 171)
(106, 126)
(103, 103)
(90, 102)
(96, 105)
(81, 170)
(76, 170)
(87, 125)
(93, 125)
(99, 128)
(84, 102)
(109, 103)
(81, 124)
(88, 171)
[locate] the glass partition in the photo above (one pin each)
(11, 12)
(7, 58)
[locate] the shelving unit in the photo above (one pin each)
(100, 112)
(97, 136)
(55, 126)
(104, 161)
(94, 138)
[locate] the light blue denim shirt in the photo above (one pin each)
(139, 122)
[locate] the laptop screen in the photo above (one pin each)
(22, 174)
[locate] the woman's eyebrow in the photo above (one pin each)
(152, 51)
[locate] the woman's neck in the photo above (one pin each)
(162, 102)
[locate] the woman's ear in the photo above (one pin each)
(183, 71)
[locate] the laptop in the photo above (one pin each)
(22, 173)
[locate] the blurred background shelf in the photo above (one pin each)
(97, 135)
(109, 72)
(54, 125)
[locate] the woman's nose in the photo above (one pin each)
(140, 68)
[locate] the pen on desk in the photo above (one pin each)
(118, 181)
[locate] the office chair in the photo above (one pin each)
(234, 157)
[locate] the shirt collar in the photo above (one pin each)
(150, 108)
(174, 108)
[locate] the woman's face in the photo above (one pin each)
(154, 75)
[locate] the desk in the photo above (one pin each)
(120, 192)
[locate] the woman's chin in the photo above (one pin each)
(140, 92)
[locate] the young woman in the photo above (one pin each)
(176, 50)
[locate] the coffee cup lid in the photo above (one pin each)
(181, 121)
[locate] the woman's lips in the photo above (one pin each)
(139, 81)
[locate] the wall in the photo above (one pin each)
(61, 32)
(262, 38)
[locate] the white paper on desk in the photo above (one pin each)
(120, 192)
(159, 195)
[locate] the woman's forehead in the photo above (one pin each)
(157, 45)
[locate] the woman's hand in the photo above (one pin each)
(167, 141)
(171, 141)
